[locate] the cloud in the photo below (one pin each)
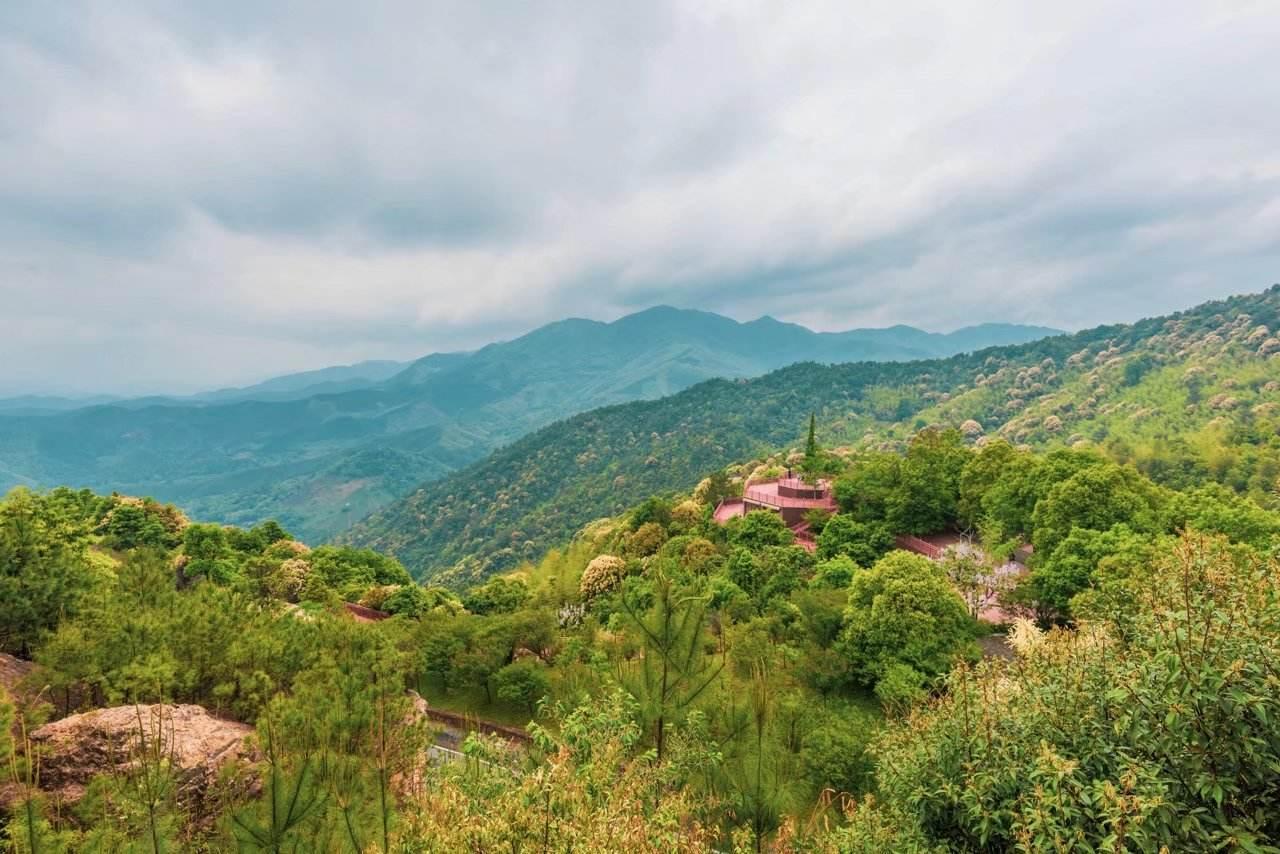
(198, 196)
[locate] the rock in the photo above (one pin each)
(12, 671)
(198, 746)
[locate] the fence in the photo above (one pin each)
(919, 546)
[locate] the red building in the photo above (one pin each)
(790, 497)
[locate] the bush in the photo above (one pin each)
(899, 688)
(522, 683)
(1167, 738)
(903, 611)
(646, 539)
(602, 575)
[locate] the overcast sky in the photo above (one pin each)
(192, 198)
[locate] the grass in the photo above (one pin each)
(472, 701)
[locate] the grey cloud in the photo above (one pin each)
(266, 187)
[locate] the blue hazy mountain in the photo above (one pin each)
(321, 449)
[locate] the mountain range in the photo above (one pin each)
(322, 449)
(1190, 398)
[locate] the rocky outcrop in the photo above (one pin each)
(197, 746)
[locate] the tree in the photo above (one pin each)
(500, 595)
(602, 575)
(674, 669)
(928, 492)
(522, 683)
(785, 569)
(1166, 740)
(208, 553)
(758, 529)
(970, 575)
(715, 488)
(653, 510)
(1069, 569)
(903, 610)
(834, 573)
(899, 688)
(835, 754)
(646, 539)
(351, 571)
(745, 571)
(863, 542)
(980, 473)
(1096, 498)
(864, 493)
(44, 570)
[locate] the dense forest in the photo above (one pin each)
(1190, 398)
(686, 685)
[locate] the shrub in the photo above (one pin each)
(1164, 739)
(522, 683)
(602, 575)
(646, 539)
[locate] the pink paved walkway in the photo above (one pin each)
(729, 508)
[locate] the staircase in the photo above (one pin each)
(804, 536)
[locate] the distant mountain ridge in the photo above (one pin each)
(330, 380)
(1195, 395)
(321, 449)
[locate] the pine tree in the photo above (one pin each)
(673, 670)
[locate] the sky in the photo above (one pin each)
(205, 194)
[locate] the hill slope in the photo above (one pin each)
(320, 450)
(1198, 386)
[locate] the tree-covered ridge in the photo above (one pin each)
(319, 457)
(1131, 389)
(692, 684)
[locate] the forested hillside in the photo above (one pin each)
(685, 684)
(1188, 397)
(323, 449)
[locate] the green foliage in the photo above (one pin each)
(1165, 740)
(759, 529)
(834, 573)
(208, 553)
(862, 542)
(899, 688)
(925, 497)
(653, 510)
(835, 754)
(903, 611)
(44, 569)
(349, 570)
(522, 683)
(1069, 569)
(500, 595)
(674, 670)
(1097, 498)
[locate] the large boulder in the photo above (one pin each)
(197, 745)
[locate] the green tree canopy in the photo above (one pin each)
(902, 610)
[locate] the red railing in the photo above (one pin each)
(919, 546)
